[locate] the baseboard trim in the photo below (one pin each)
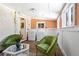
(62, 50)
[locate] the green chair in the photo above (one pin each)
(10, 40)
(47, 45)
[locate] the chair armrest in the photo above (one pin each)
(52, 45)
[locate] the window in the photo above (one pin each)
(70, 16)
(67, 19)
(40, 24)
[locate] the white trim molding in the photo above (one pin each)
(40, 22)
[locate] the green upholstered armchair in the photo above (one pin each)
(10, 40)
(47, 45)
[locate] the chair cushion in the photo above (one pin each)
(43, 47)
(48, 39)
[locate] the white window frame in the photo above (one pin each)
(67, 10)
(40, 22)
(69, 14)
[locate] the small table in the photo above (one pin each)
(11, 51)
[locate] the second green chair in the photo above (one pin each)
(47, 45)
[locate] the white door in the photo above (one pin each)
(23, 28)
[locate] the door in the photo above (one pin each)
(23, 28)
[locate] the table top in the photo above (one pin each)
(12, 49)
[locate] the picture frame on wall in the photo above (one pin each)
(40, 24)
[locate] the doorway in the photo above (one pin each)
(23, 28)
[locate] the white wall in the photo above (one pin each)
(32, 34)
(63, 19)
(40, 33)
(28, 22)
(58, 22)
(17, 25)
(60, 40)
(69, 41)
(6, 22)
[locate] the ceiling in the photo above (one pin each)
(37, 10)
